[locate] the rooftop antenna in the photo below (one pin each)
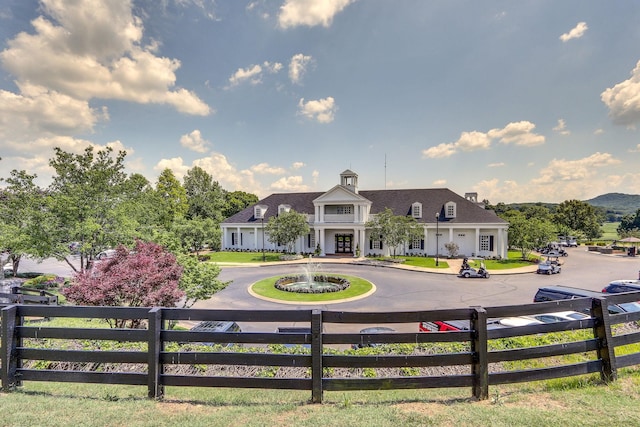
(385, 171)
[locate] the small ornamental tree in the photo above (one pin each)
(148, 276)
(199, 280)
(286, 228)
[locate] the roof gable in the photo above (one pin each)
(339, 194)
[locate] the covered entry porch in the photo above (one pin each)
(340, 241)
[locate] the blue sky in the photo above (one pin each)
(518, 101)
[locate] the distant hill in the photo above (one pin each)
(617, 202)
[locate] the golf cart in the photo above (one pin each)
(550, 266)
(467, 271)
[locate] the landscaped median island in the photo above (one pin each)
(358, 288)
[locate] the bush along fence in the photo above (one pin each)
(157, 355)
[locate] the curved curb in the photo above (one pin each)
(337, 301)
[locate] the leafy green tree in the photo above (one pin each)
(172, 196)
(199, 280)
(195, 234)
(580, 217)
(629, 224)
(394, 230)
(536, 211)
(84, 200)
(235, 201)
(285, 228)
(23, 215)
(526, 234)
(139, 204)
(205, 196)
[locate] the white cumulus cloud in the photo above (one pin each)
(575, 33)
(298, 67)
(623, 99)
(266, 169)
(561, 127)
(518, 133)
(310, 12)
(321, 110)
(194, 141)
(289, 184)
(94, 50)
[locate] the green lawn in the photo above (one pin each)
(570, 402)
(243, 257)
(358, 286)
(609, 231)
(514, 260)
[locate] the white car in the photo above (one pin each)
(7, 269)
(558, 316)
(109, 253)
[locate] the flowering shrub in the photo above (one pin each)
(148, 276)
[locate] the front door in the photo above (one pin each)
(343, 243)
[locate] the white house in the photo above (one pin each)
(338, 216)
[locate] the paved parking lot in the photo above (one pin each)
(411, 289)
(400, 290)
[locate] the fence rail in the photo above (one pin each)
(161, 349)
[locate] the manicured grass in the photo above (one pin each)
(243, 257)
(416, 261)
(266, 288)
(609, 231)
(514, 260)
(426, 262)
(567, 402)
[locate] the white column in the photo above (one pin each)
(477, 241)
(322, 251)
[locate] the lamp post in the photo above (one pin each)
(263, 257)
(437, 237)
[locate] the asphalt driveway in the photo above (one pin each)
(408, 290)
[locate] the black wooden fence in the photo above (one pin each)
(164, 347)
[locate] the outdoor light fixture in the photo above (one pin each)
(437, 232)
(259, 212)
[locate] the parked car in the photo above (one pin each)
(216, 326)
(109, 253)
(555, 293)
(372, 330)
(622, 285)
(558, 316)
(7, 269)
(550, 266)
(464, 325)
(294, 330)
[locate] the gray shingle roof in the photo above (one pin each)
(399, 201)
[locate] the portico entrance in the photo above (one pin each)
(344, 243)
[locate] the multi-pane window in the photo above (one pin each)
(486, 242)
(416, 210)
(344, 210)
(416, 243)
(375, 244)
(450, 210)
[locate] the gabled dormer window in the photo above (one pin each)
(450, 210)
(259, 211)
(416, 210)
(284, 208)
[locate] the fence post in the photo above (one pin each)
(480, 367)
(9, 347)
(154, 348)
(316, 356)
(602, 332)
